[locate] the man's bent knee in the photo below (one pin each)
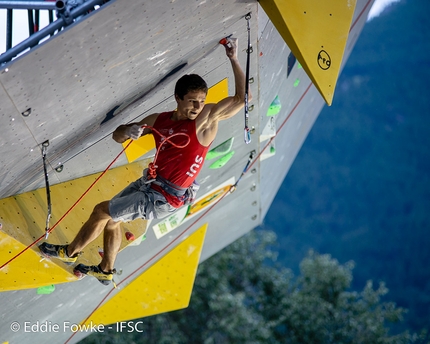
(102, 210)
(113, 225)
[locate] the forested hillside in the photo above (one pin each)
(359, 188)
(238, 298)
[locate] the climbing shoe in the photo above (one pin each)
(104, 278)
(57, 251)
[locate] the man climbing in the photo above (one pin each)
(176, 170)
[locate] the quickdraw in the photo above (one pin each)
(250, 158)
(224, 41)
(48, 191)
(247, 131)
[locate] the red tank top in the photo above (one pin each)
(179, 166)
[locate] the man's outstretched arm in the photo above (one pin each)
(134, 130)
(230, 106)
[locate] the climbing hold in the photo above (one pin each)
(129, 236)
(274, 108)
(221, 149)
(46, 289)
(222, 161)
(224, 41)
(297, 82)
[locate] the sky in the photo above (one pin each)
(378, 7)
(20, 22)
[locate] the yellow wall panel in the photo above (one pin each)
(23, 220)
(217, 92)
(29, 270)
(164, 287)
(139, 147)
(316, 32)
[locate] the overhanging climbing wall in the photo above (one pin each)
(116, 66)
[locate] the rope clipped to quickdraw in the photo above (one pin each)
(250, 158)
(247, 132)
(48, 191)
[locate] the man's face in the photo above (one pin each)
(192, 104)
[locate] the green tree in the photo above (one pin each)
(241, 295)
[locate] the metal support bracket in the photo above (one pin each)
(64, 9)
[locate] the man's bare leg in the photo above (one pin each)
(99, 221)
(112, 238)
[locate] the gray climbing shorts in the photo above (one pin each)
(139, 200)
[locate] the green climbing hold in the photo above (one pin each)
(221, 149)
(46, 289)
(296, 83)
(275, 107)
(222, 161)
(299, 65)
(272, 150)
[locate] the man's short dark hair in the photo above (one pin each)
(190, 82)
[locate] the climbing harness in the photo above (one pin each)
(186, 195)
(247, 132)
(48, 191)
(168, 186)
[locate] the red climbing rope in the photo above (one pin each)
(151, 172)
(152, 167)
